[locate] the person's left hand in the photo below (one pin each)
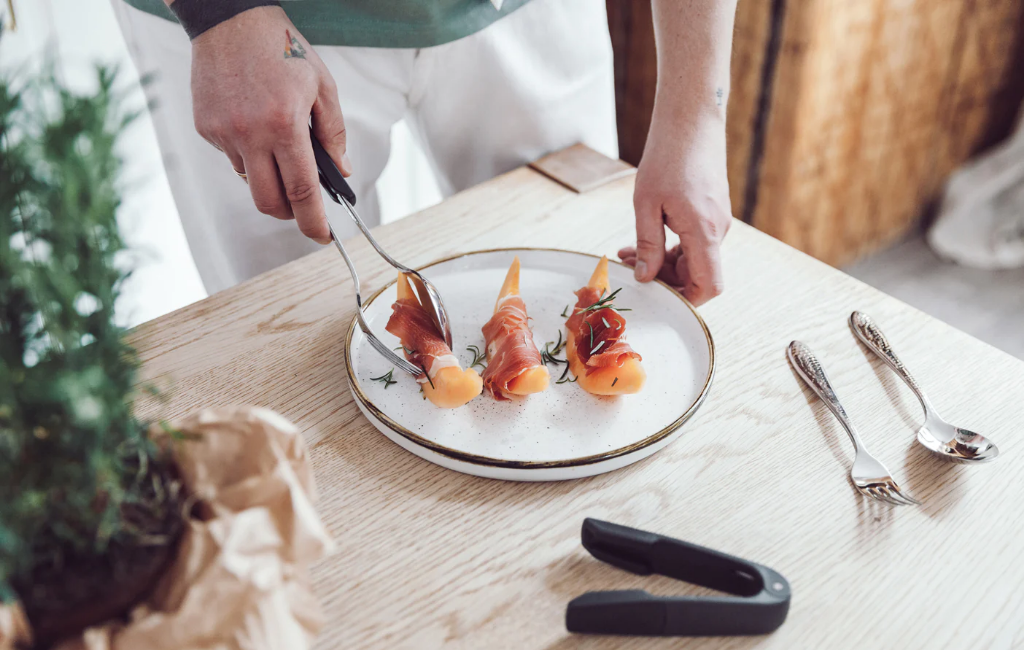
(682, 183)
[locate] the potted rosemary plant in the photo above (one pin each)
(90, 508)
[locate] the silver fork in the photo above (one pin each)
(868, 475)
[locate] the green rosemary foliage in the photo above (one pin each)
(72, 454)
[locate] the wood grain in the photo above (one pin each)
(845, 118)
(873, 105)
(429, 558)
(580, 168)
(631, 26)
(750, 45)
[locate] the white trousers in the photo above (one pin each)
(533, 82)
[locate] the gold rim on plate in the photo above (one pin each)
(525, 464)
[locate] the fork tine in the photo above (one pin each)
(883, 489)
(878, 493)
(896, 493)
(869, 492)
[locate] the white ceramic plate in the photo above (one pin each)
(564, 432)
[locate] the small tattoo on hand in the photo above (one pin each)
(718, 95)
(292, 47)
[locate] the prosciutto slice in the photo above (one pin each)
(510, 347)
(599, 336)
(422, 342)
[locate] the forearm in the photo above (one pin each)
(694, 42)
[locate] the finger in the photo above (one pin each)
(650, 239)
(679, 270)
(628, 251)
(669, 272)
(704, 267)
(265, 186)
(237, 163)
(329, 125)
(302, 186)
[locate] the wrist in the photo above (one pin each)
(699, 103)
(683, 128)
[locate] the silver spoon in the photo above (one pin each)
(937, 435)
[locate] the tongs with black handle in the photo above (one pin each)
(340, 191)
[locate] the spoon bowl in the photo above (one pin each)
(956, 444)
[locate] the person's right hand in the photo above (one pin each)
(255, 83)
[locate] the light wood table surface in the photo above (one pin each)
(430, 558)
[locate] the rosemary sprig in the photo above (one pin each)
(591, 332)
(606, 302)
(560, 345)
(428, 377)
(478, 357)
(605, 323)
(564, 379)
(599, 346)
(385, 379)
(615, 381)
(405, 349)
(547, 355)
(565, 315)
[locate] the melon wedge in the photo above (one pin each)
(449, 387)
(625, 379)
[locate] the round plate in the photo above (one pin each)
(564, 432)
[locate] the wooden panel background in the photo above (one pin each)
(845, 118)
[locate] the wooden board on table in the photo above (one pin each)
(429, 558)
(581, 169)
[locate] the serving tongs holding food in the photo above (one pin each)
(340, 191)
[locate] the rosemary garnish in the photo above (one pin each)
(564, 378)
(478, 357)
(386, 378)
(405, 349)
(615, 381)
(560, 345)
(428, 377)
(591, 332)
(605, 322)
(599, 346)
(606, 302)
(547, 355)
(565, 315)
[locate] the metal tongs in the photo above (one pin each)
(339, 190)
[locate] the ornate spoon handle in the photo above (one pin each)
(869, 333)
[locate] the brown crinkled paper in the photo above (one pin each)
(240, 577)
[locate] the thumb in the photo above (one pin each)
(329, 126)
(650, 239)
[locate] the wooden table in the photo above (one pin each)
(429, 557)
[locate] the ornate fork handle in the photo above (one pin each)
(810, 370)
(870, 335)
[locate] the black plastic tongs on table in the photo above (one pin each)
(759, 603)
(341, 193)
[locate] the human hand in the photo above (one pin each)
(682, 183)
(255, 83)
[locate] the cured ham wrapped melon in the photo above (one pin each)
(444, 382)
(514, 366)
(596, 348)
